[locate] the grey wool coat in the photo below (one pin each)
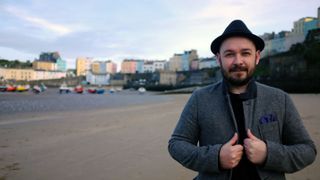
(207, 122)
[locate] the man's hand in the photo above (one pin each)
(256, 149)
(230, 153)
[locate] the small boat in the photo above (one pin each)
(3, 88)
(11, 88)
(92, 90)
(64, 88)
(22, 88)
(36, 89)
(78, 89)
(111, 90)
(43, 87)
(100, 91)
(118, 89)
(27, 87)
(39, 88)
(142, 90)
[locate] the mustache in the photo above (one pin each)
(237, 68)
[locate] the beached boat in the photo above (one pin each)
(100, 91)
(11, 88)
(36, 89)
(142, 90)
(92, 90)
(118, 89)
(111, 90)
(78, 89)
(3, 88)
(43, 87)
(27, 87)
(64, 88)
(39, 88)
(22, 88)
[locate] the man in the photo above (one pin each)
(239, 128)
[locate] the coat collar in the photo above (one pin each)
(250, 93)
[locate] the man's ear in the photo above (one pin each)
(258, 55)
(218, 57)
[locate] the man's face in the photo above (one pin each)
(238, 58)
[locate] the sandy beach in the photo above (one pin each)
(123, 142)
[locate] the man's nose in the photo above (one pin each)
(238, 59)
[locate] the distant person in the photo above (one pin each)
(238, 128)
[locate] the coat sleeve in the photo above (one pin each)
(183, 143)
(297, 149)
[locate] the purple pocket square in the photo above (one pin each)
(268, 118)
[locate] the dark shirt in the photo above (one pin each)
(245, 169)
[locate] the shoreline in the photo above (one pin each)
(51, 101)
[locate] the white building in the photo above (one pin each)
(205, 63)
(39, 75)
(152, 66)
(159, 65)
(148, 66)
(97, 79)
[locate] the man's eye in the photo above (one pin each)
(246, 54)
(228, 55)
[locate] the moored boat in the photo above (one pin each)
(36, 89)
(22, 88)
(3, 88)
(111, 90)
(39, 88)
(92, 90)
(100, 91)
(64, 88)
(78, 89)
(11, 88)
(142, 90)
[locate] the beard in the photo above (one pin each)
(238, 81)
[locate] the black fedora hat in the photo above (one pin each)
(236, 28)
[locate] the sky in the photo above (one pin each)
(139, 29)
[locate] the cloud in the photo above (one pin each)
(125, 29)
(38, 22)
(60, 29)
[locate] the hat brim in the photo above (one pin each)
(215, 45)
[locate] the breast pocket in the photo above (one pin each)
(270, 131)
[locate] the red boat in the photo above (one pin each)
(92, 90)
(78, 89)
(11, 88)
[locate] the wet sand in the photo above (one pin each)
(126, 142)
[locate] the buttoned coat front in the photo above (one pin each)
(207, 122)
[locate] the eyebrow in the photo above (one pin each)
(246, 49)
(229, 50)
